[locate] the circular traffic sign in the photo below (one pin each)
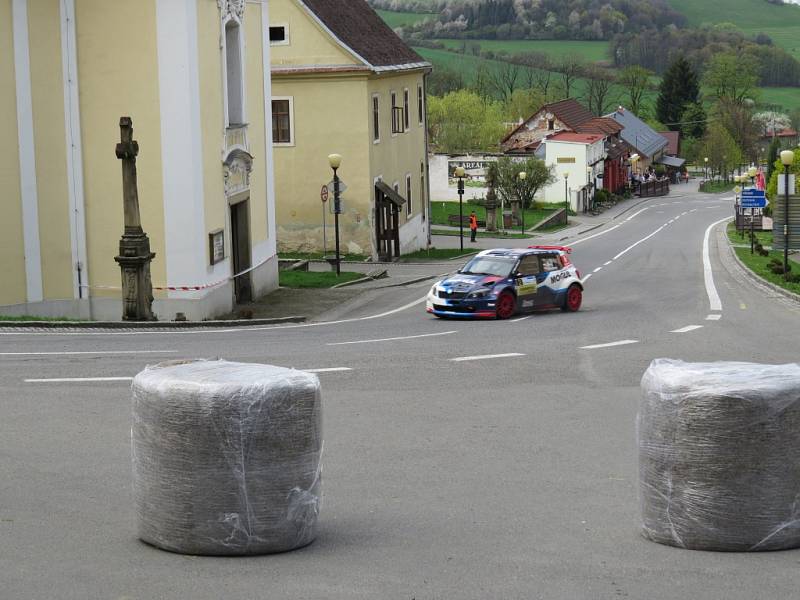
(323, 194)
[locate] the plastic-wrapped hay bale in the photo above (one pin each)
(719, 455)
(226, 457)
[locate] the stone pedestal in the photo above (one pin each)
(137, 288)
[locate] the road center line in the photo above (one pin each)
(597, 269)
(708, 276)
(687, 329)
(486, 357)
(610, 344)
(605, 264)
(103, 352)
(713, 317)
(644, 239)
(392, 339)
(586, 239)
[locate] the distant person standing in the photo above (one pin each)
(473, 227)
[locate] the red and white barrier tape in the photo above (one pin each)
(182, 288)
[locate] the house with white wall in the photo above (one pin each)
(577, 159)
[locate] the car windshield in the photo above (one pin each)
(490, 265)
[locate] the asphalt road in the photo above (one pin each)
(505, 477)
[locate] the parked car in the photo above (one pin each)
(500, 283)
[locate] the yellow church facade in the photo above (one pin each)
(194, 77)
(344, 83)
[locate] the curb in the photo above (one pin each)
(417, 280)
(760, 280)
(147, 324)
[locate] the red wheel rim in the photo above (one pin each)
(574, 297)
(505, 306)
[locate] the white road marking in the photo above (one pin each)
(78, 379)
(585, 279)
(597, 269)
(486, 357)
(103, 352)
(713, 317)
(687, 329)
(711, 290)
(610, 344)
(638, 212)
(392, 339)
(520, 319)
(644, 239)
(329, 370)
(586, 239)
(605, 264)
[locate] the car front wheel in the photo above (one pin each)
(506, 305)
(574, 299)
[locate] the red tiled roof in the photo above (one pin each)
(600, 125)
(580, 138)
(570, 112)
(362, 30)
(673, 141)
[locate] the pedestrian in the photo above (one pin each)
(473, 227)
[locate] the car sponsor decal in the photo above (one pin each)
(526, 285)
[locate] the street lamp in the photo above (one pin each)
(751, 173)
(590, 187)
(787, 158)
(566, 197)
(522, 176)
(335, 161)
(461, 173)
(705, 168)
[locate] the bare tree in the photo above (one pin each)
(504, 80)
(598, 89)
(636, 81)
(571, 67)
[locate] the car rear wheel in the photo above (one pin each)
(574, 299)
(506, 305)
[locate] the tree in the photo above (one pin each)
(443, 81)
(732, 76)
(508, 185)
(721, 149)
(462, 121)
(503, 80)
(679, 88)
(772, 156)
(737, 118)
(598, 90)
(522, 104)
(636, 81)
(694, 121)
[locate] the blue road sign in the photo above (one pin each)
(753, 193)
(753, 198)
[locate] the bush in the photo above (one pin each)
(601, 196)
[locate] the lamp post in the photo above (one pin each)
(566, 197)
(589, 186)
(522, 176)
(460, 173)
(751, 173)
(787, 158)
(705, 169)
(335, 161)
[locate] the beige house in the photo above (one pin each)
(344, 83)
(191, 75)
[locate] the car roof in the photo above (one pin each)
(517, 252)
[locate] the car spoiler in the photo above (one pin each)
(566, 249)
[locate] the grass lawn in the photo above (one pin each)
(441, 210)
(758, 264)
(320, 256)
(765, 237)
(498, 235)
(588, 50)
(311, 279)
(399, 19)
(716, 187)
(787, 97)
(434, 254)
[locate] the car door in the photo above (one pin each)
(526, 282)
(550, 265)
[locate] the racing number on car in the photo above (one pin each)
(526, 286)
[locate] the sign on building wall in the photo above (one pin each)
(216, 245)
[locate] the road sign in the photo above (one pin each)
(323, 194)
(753, 193)
(342, 187)
(753, 202)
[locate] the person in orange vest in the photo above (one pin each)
(473, 227)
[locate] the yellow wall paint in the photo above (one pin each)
(329, 117)
(212, 119)
(255, 71)
(396, 156)
(47, 85)
(308, 43)
(115, 83)
(11, 240)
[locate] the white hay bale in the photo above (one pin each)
(226, 457)
(719, 455)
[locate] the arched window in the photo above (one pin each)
(233, 72)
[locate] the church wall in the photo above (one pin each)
(47, 85)
(118, 76)
(13, 290)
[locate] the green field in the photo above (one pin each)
(782, 23)
(399, 19)
(788, 97)
(589, 51)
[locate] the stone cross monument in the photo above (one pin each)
(134, 247)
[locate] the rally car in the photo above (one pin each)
(500, 283)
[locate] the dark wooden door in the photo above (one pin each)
(240, 249)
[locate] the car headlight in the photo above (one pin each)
(481, 293)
